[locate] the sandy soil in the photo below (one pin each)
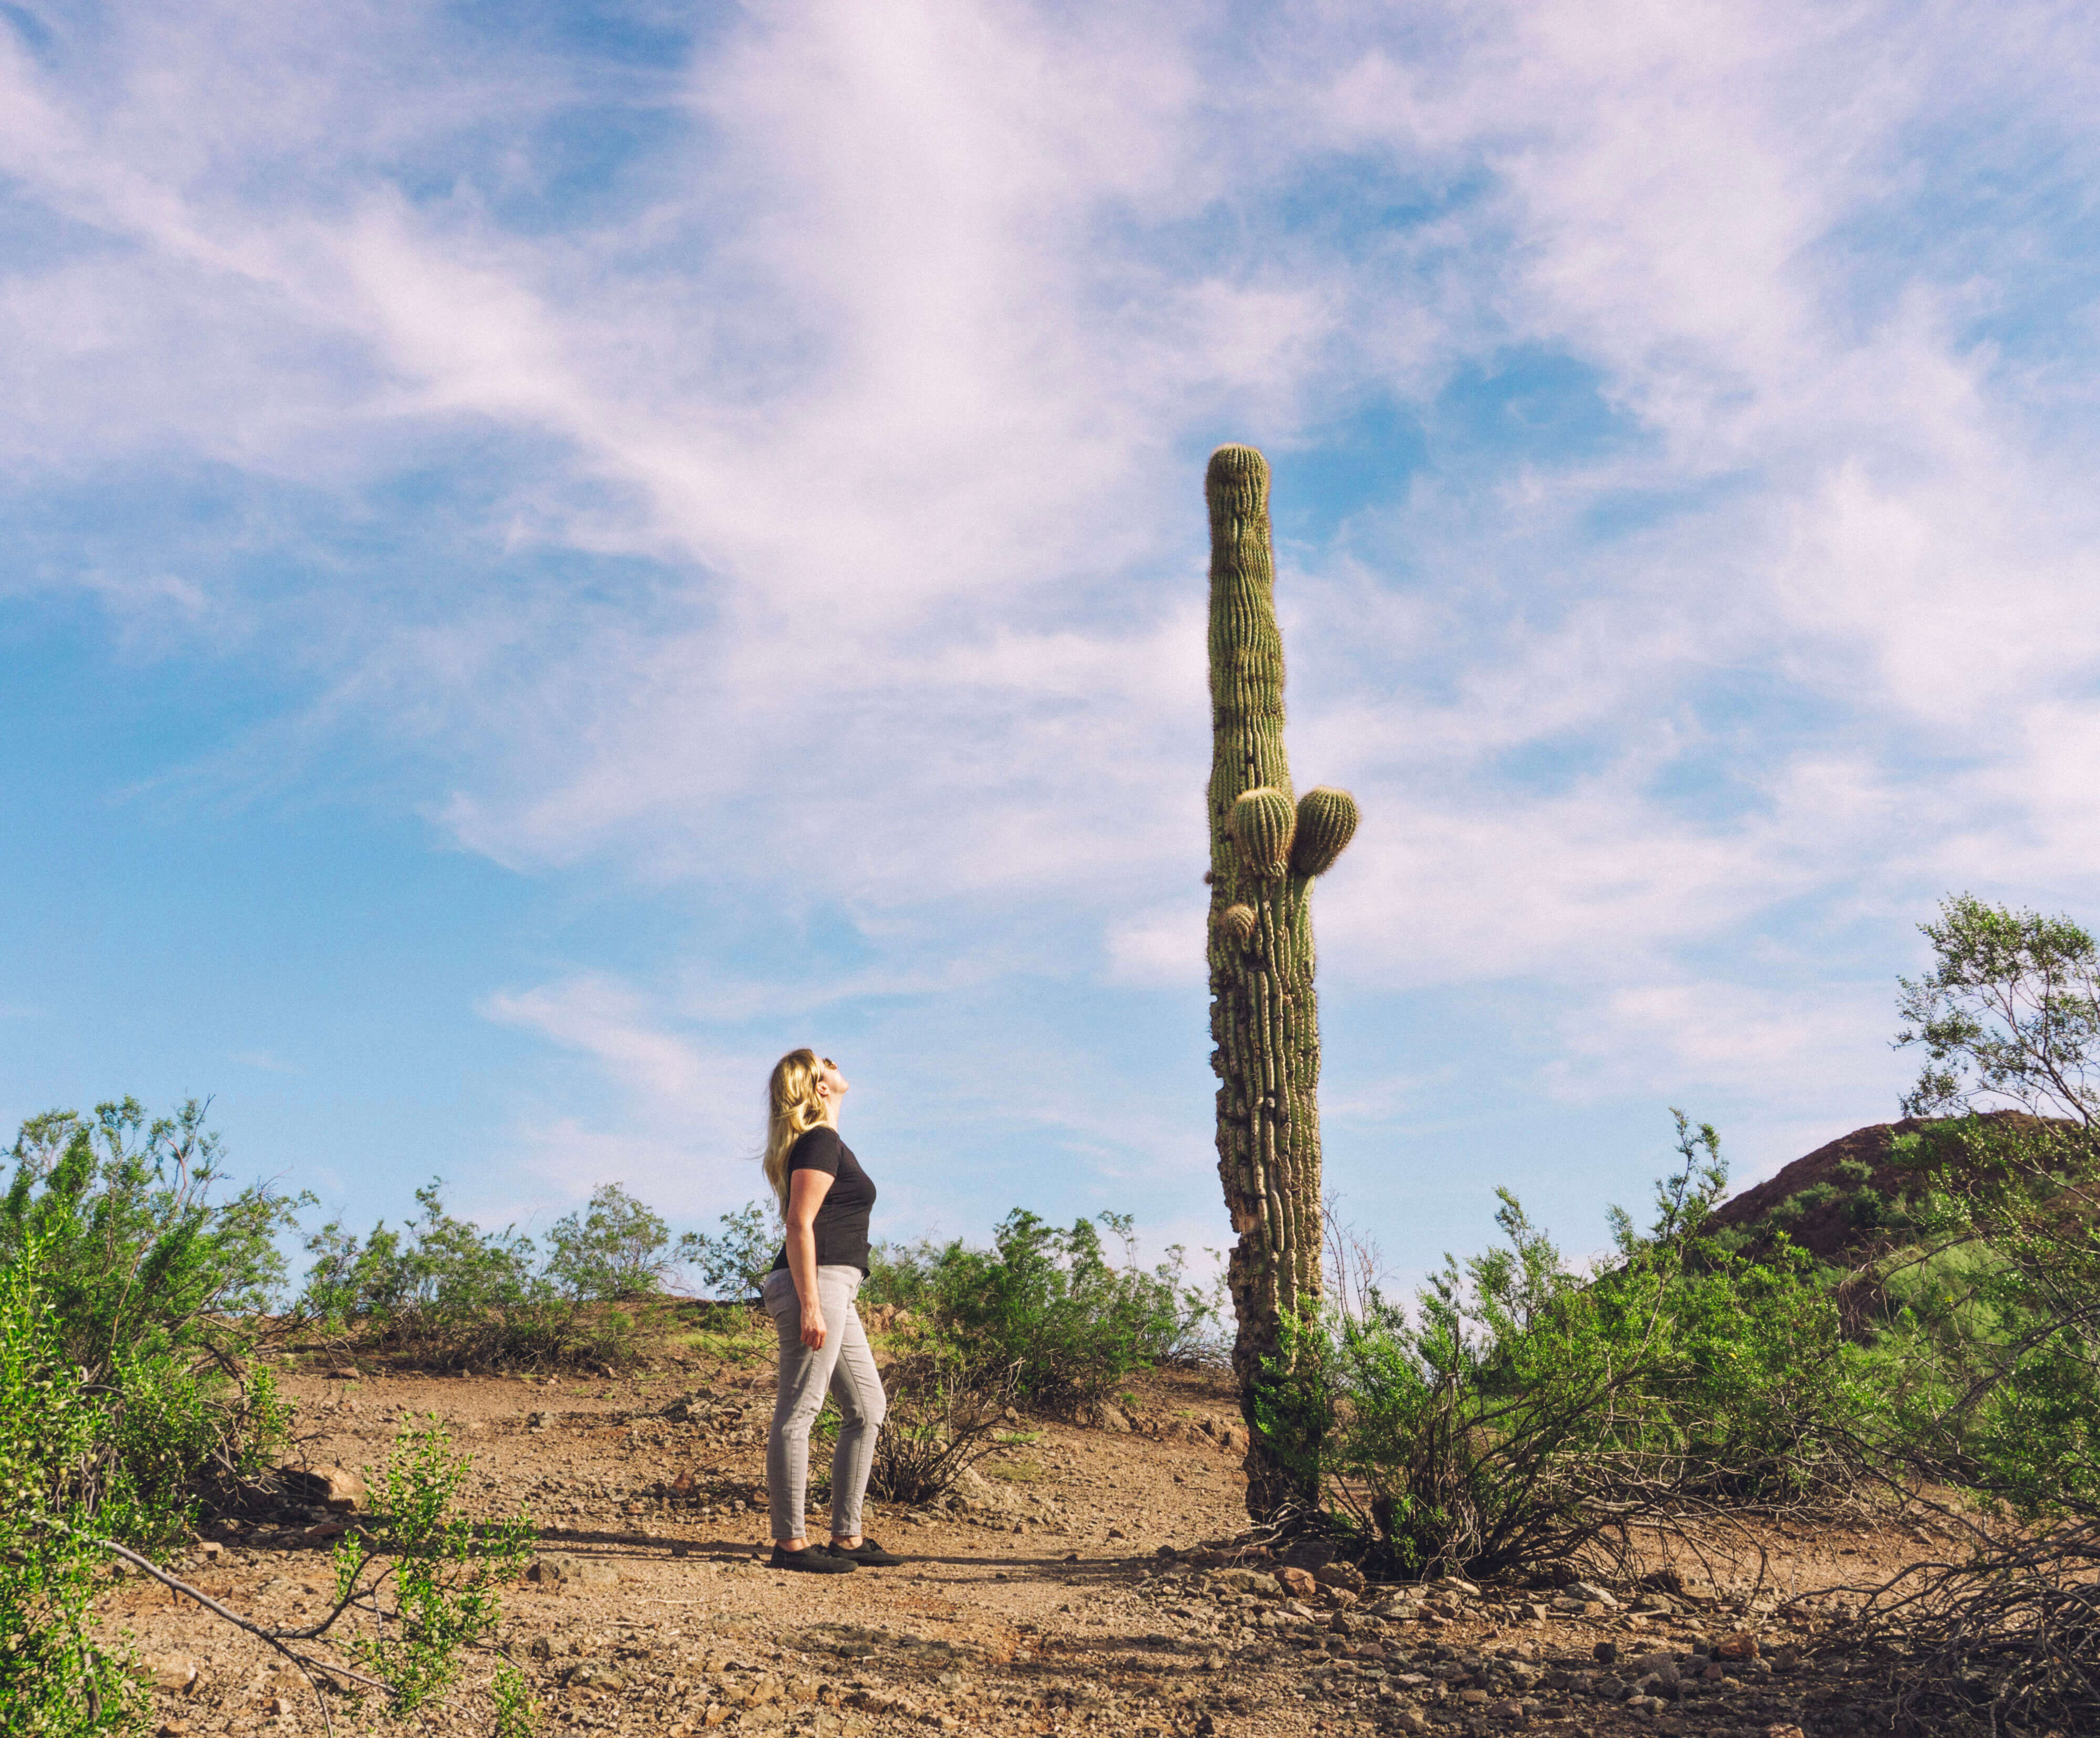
(1043, 1606)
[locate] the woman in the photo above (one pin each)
(824, 1197)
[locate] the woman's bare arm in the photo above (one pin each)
(806, 1190)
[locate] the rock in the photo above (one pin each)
(170, 1671)
(1408, 1720)
(1607, 1653)
(1298, 1583)
(1738, 1644)
(1247, 1581)
(1451, 1584)
(1781, 1729)
(1343, 1575)
(563, 1568)
(1591, 1594)
(279, 1704)
(336, 1488)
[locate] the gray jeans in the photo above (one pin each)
(846, 1366)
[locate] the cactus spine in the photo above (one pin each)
(1265, 850)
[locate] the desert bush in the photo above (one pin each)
(733, 1263)
(945, 1416)
(426, 1576)
(900, 1275)
(440, 1291)
(1050, 1306)
(1986, 1366)
(1526, 1414)
(155, 1291)
(615, 1250)
(54, 1677)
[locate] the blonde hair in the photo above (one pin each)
(792, 1109)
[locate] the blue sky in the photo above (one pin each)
(553, 553)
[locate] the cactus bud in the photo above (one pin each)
(1236, 923)
(1262, 822)
(1326, 822)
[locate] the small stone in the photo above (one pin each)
(170, 1671)
(1345, 1574)
(1607, 1653)
(1738, 1644)
(1591, 1594)
(1114, 1532)
(331, 1487)
(1297, 1583)
(278, 1705)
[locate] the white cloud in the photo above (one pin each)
(872, 395)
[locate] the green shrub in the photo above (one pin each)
(155, 1292)
(615, 1250)
(733, 1263)
(54, 1678)
(900, 1275)
(434, 1575)
(1526, 1414)
(1049, 1306)
(441, 1292)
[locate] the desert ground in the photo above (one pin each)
(1044, 1601)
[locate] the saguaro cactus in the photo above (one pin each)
(1265, 850)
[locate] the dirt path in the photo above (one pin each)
(1040, 1605)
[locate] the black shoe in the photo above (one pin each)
(812, 1559)
(868, 1553)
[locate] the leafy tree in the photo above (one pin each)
(2009, 1012)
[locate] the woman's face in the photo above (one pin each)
(831, 1085)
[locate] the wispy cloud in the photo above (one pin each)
(763, 472)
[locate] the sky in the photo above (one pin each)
(551, 553)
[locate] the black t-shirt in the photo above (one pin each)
(842, 1221)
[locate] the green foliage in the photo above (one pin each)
(441, 1291)
(1050, 1306)
(517, 1712)
(54, 1678)
(1528, 1413)
(435, 1592)
(155, 1292)
(615, 1249)
(900, 1275)
(139, 1255)
(2010, 1011)
(733, 1263)
(1992, 1355)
